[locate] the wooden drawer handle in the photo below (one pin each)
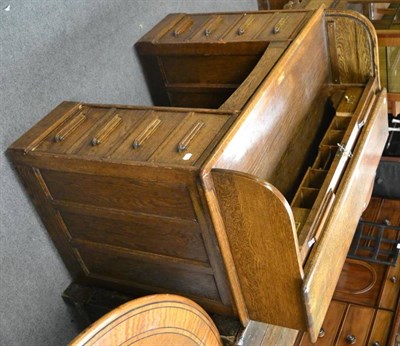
(242, 29)
(184, 143)
(213, 24)
(351, 339)
(148, 131)
(183, 26)
(69, 128)
(106, 130)
(279, 26)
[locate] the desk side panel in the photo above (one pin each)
(262, 238)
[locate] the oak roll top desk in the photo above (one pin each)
(244, 189)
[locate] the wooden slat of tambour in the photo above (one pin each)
(180, 321)
(258, 221)
(326, 260)
(246, 90)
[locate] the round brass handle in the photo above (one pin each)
(376, 343)
(393, 279)
(351, 339)
(321, 333)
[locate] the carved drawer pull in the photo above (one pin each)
(212, 25)
(246, 25)
(351, 339)
(184, 143)
(106, 130)
(149, 130)
(69, 128)
(281, 23)
(183, 26)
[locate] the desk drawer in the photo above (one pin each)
(190, 139)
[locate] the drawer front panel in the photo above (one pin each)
(184, 29)
(189, 140)
(147, 129)
(353, 329)
(381, 328)
(215, 27)
(152, 273)
(282, 26)
(330, 326)
(76, 129)
(248, 27)
(118, 193)
(324, 266)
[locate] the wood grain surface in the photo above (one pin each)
(153, 320)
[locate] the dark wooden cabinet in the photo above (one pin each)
(246, 200)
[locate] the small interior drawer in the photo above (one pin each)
(282, 26)
(190, 139)
(184, 29)
(248, 27)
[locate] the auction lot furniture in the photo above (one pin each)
(244, 190)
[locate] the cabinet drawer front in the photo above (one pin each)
(190, 139)
(328, 255)
(186, 27)
(248, 27)
(330, 326)
(215, 27)
(282, 26)
(381, 328)
(353, 328)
